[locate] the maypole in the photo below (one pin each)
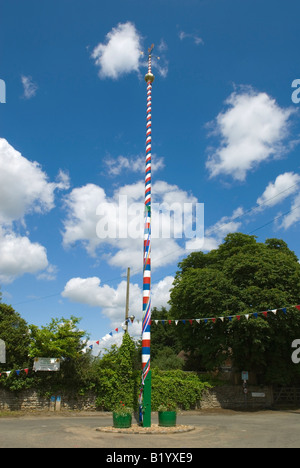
(146, 334)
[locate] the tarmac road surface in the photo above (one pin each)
(213, 429)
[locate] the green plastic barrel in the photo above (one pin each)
(167, 418)
(122, 421)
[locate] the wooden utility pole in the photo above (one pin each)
(127, 300)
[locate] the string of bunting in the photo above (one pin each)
(229, 317)
(110, 334)
(16, 371)
(184, 321)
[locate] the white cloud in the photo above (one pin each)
(81, 221)
(18, 255)
(49, 274)
(197, 40)
(162, 46)
(30, 88)
(252, 130)
(24, 187)
(284, 186)
(161, 292)
(215, 234)
(117, 166)
(90, 291)
(112, 300)
(293, 216)
(117, 224)
(121, 52)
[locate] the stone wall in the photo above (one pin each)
(233, 397)
(31, 401)
(227, 396)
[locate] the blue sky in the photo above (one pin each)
(225, 132)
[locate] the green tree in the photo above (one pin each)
(167, 359)
(61, 338)
(15, 332)
(162, 335)
(241, 276)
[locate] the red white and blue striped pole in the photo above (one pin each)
(146, 326)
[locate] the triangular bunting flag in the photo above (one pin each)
(229, 317)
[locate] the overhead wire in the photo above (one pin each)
(217, 228)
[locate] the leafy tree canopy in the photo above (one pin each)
(61, 339)
(14, 332)
(242, 276)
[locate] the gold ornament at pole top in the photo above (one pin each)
(149, 77)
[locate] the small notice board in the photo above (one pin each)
(46, 364)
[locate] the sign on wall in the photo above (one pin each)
(46, 364)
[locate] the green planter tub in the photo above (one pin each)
(167, 418)
(122, 421)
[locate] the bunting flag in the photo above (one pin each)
(110, 334)
(18, 372)
(228, 317)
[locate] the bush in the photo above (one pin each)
(114, 377)
(118, 377)
(182, 389)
